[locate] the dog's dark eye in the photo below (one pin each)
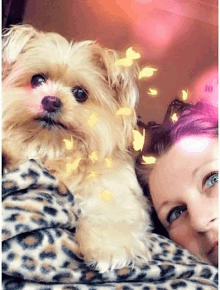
(37, 80)
(80, 94)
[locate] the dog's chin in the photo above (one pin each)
(49, 123)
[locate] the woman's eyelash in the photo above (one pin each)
(210, 180)
(175, 212)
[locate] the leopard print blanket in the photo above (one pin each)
(39, 252)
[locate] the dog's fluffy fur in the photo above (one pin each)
(112, 232)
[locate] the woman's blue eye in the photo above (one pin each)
(211, 179)
(175, 213)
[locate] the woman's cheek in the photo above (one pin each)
(180, 235)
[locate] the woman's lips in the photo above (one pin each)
(213, 254)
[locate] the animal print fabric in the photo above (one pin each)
(39, 217)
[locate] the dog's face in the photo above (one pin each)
(55, 90)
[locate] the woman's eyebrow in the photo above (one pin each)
(166, 202)
(203, 164)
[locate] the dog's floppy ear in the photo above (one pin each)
(14, 41)
(122, 79)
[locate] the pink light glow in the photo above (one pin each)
(156, 30)
(206, 87)
(194, 144)
(161, 31)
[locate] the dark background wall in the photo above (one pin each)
(12, 12)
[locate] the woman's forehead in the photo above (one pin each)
(193, 148)
(174, 172)
(194, 145)
(182, 159)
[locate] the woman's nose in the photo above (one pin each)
(202, 215)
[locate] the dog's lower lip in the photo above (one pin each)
(49, 122)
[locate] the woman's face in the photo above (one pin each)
(184, 192)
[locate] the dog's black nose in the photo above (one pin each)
(51, 104)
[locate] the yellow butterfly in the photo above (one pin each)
(92, 174)
(128, 61)
(124, 111)
(152, 92)
(130, 53)
(93, 119)
(69, 144)
(124, 62)
(109, 162)
(94, 156)
(138, 142)
(184, 95)
(174, 117)
(70, 167)
(146, 72)
(149, 159)
(106, 195)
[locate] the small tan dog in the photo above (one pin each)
(61, 106)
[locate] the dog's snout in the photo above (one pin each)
(51, 104)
